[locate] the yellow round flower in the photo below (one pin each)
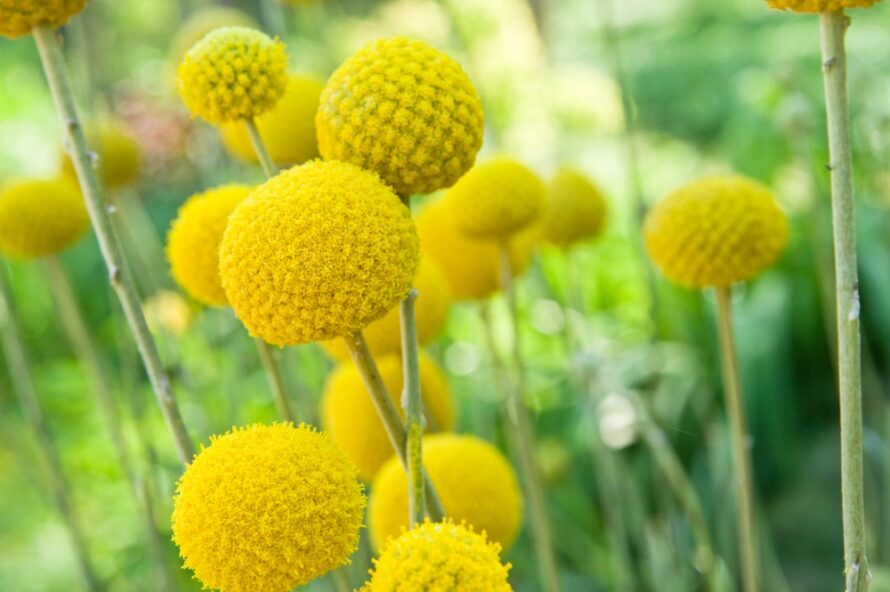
(575, 210)
(288, 130)
(471, 267)
(819, 5)
(40, 218)
(496, 199)
(440, 556)
(318, 252)
(118, 156)
(18, 17)
(267, 508)
(204, 20)
(349, 416)
(430, 309)
(473, 478)
(233, 73)
(716, 231)
(193, 242)
(405, 110)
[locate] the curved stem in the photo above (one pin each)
(741, 441)
(60, 87)
(412, 403)
(834, 69)
(262, 152)
(276, 381)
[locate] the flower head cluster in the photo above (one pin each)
(404, 110)
(716, 231)
(267, 508)
(819, 5)
(473, 478)
(576, 210)
(318, 252)
(233, 73)
(40, 217)
(203, 21)
(193, 242)
(18, 17)
(119, 156)
(440, 556)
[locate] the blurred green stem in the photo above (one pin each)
(60, 87)
(340, 580)
(412, 403)
(20, 375)
(519, 419)
(741, 442)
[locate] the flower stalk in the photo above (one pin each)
(412, 403)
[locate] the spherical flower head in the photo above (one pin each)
(193, 242)
(288, 130)
(430, 309)
(267, 507)
(118, 156)
(470, 266)
(716, 232)
(233, 73)
(404, 110)
(576, 210)
(40, 217)
(18, 17)
(496, 199)
(203, 21)
(349, 415)
(437, 555)
(473, 478)
(819, 5)
(318, 252)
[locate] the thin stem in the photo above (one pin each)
(741, 441)
(60, 87)
(340, 580)
(412, 403)
(276, 381)
(20, 375)
(834, 70)
(518, 418)
(87, 352)
(389, 414)
(268, 165)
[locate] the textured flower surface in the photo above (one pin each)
(233, 73)
(496, 199)
(288, 130)
(204, 20)
(349, 416)
(119, 157)
(193, 242)
(716, 231)
(473, 478)
(18, 17)
(575, 211)
(267, 508)
(440, 557)
(404, 110)
(819, 5)
(40, 217)
(318, 252)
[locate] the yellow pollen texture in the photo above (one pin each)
(819, 5)
(18, 17)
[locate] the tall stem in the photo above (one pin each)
(20, 375)
(834, 70)
(412, 403)
(60, 87)
(519, 419)
(741, 441)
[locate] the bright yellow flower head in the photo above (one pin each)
(470, 266)
(716, 231)
(405, 110)
(496, 199)
(349, 416)
(233, 73)
(473, 478)
(118, 156)
(204, 20)
(431, 311)
(438, 556)
(318, 252)
(819, 5)
(575, 211)
(267, 508)
(18, 17)
(288, 129)
(40, 218)
(193, 242)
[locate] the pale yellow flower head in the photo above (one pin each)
(203, 21)
(18, 17)
(118, 156)
(819, 5)
(40, 217)
(575, 211)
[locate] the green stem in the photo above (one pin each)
(20, 375)
(60, 87)
(741, 442)
(340, 580)
(834, 69)
(262, 152)
(412, 403)
(519, 419)
(276, 381)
